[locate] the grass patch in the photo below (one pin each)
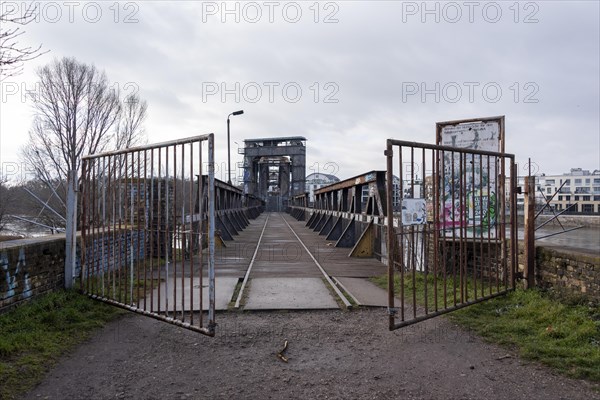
(561, 333)
(234, 296)
(338, 300)
(35, 335)
(121, 288)
(438, 288)
(562, 336)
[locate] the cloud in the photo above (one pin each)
(378, 72)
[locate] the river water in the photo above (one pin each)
(587, 239)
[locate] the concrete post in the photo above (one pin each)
(71, 229)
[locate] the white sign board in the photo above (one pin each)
(414, 212)
(473, 135)
(478, 210)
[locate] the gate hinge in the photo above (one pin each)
(392, 311)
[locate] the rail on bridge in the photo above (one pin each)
(233, 209)
(348, 213)
(150, 218)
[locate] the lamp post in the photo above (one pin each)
(229, 146)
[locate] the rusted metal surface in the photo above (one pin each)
(297, 206)
(447, 244)
(148, 213)
(347, 183)
(346, 211)
(249, 270)
(529, 238)
(555, 217)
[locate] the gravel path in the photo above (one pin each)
(332, 355)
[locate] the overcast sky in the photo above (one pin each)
(346, 75)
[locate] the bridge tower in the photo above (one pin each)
(275, 169)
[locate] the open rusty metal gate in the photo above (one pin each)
(147, 214)
(450, 214)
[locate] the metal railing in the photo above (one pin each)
(147, 214)
(447, 246)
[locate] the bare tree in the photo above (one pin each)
(78, 113)
(130, 130)
(12, 55)
(4, 200)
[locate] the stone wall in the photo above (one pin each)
(568, 271)
(29, 268)
(115, 249)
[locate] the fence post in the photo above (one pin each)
(390, 234)
(71, 229)
(211, 232)
(529, 239)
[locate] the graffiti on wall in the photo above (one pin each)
(12, 280)
(469, 187)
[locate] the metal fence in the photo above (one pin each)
(147, 214)
(448, 240)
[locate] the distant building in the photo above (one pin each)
(578, 191)
(316, 181)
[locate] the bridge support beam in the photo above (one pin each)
(365, 244)
(348, 238)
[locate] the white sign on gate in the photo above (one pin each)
(414, 212)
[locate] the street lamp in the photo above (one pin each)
(228, 146)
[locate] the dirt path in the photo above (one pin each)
(332, 355)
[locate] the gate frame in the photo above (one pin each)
(209, 329)
(391, 234)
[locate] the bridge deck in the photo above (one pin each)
(283, 274)
(281, 255)
(335, 260)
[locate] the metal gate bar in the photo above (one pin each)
(446, 238)
(147, 214)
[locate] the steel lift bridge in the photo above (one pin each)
(274, 169)
(162, 237)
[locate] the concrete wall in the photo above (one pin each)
(29, 268)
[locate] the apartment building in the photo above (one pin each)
(578, 191)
